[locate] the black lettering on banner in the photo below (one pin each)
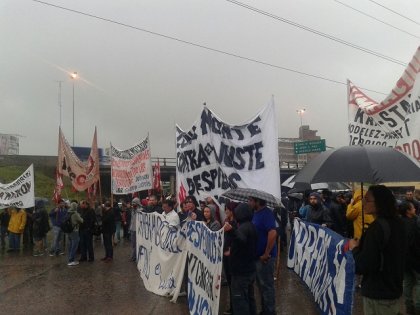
(254, 129)
(209, 180)
(239, 158)
(385, 116)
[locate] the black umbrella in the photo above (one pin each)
(242, 195)
(371, 164)
(301, 187)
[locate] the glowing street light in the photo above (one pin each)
(73, 76)
(300, 112)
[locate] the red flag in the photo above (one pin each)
(58, 187)
(156, 177)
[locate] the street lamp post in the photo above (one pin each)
(73, 76)
(300, 112)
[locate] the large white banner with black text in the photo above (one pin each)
(213, 156)
(20, 193)
(394, 122)
(163, 252)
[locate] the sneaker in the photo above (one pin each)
(37, 253)
(61, 253)
(183, 293)
(73, 263)
(52, 254)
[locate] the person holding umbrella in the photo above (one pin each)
(355, 214)
(380, 254)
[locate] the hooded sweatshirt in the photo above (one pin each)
(243, 251)
(354, 213)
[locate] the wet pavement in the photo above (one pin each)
(46, 285)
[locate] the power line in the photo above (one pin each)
(202, 46)
(395, 12)
(376, 19)
(306, 28)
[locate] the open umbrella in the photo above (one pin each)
(242, 195)
(360, 163)
(371, 164)
(300, 187)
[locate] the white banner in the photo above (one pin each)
(213, 157)
(394, 122)
(20, 193)
(131, 169)
(204, 261)
(164, 251)
(160, 254)
(82, 175)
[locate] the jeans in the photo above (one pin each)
(381, 307)
(14, 241)
(86, 245)
(109, 252)
(118, 230)
(265, 283)
(411, 288)
(57, 237)
(73, 244)
(3, 233)
(242, 294)
(133, 245)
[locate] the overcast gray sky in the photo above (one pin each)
(133, 83)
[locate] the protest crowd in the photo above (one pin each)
(252, 233)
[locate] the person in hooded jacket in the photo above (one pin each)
(73, 236)
(40, 227)
(338, 207)
(243, 256)
(354, 214)
(317, 213)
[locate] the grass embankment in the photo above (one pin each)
(44, 181)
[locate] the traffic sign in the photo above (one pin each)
(309, 146)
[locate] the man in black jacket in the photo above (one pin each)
(86, 232)
(338, 207)
(108, 228)
(242, 257)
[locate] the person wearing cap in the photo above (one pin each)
(317, 213)
(16, 227)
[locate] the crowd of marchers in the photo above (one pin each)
(385, 240)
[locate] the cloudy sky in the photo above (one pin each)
(134, 82)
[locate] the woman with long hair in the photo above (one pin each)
(380, 254)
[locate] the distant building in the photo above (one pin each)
(287, 156)
(9, 144)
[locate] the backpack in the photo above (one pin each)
(67, 226)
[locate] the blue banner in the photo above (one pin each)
(318, 256)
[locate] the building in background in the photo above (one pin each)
(287, 156)
(9, 144)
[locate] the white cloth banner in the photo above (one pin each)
(131, 169)
(213, 157)
(394, 122)
(204, 261)
(20, 193)
(164, 251)
(82, 175)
